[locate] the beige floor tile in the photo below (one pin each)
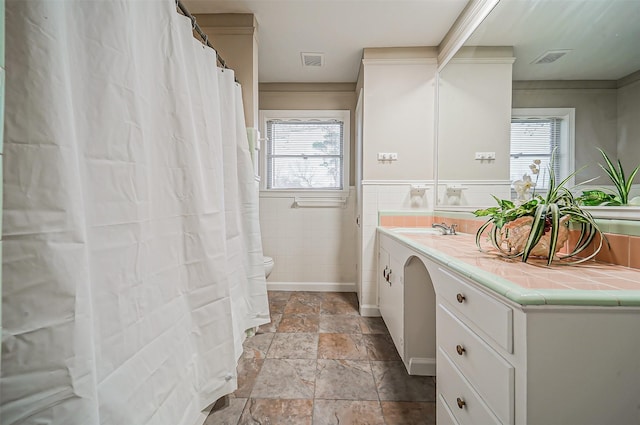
(342, 346)
(256, 347)
(409, 413)
(280, 412)
(248, 370)
(299, 305)
(299, 323)
(372, 325)
(226, 411)
(294, 346)
(271, 326)
(347, 412)
(395, 384)
(339, 324)
(345, 380)
(286, 378)
(341, 308)
(380, 347)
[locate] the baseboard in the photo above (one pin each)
(369, 310)
(312, 286)
(422, 366)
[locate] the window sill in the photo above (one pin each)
(310, 198)
(289, 193)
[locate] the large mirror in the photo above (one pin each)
(567, 72)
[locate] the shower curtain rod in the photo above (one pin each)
(202, 35)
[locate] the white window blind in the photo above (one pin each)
(533, 139)
(305, 154)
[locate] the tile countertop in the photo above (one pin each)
(589, 283)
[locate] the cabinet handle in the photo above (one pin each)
(460, 298)
(460, 349)
(461, 403)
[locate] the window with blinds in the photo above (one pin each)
(536, 138)
(305, 154)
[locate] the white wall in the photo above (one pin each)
(309, 245)
(629, 125)
(398, 116)
(382, 196)
(399, 102)
(474, 115)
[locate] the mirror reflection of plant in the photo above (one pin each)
(595, 197)
(548, 215)
(619, 180)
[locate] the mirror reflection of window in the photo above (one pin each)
(535, 134)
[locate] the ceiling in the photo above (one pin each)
(603, 36)
(338, 28)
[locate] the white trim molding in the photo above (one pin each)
(397, 182)
(400, 61)
(468, 21)
(422, 366)
(369, 310)
(312, 286)
(474, 182)
(615, 213)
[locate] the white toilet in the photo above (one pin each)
(268, 266)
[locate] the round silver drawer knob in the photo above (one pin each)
(461, 403)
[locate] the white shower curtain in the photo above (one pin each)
(132, 255)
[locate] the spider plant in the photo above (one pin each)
(617, 176)
(549, 217)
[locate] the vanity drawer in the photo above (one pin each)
(490, 374)
(444, 415)
(486, 313)
(463, 401)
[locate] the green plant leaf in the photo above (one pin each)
(537, 230)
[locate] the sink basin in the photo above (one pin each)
(417, 230)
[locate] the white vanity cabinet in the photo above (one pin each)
(474, 379)
(499, 362)
(391, 290)
(407, 305)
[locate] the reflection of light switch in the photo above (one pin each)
(485, 155)
(384, 156)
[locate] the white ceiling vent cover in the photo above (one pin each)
(550, 56)
(312, 60)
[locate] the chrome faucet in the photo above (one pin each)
(446, 230)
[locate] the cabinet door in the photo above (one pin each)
(383, 268)
(391, 295)
(396, 295)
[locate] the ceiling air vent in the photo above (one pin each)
(550, 56)
(312, 60)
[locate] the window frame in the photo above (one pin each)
(567, 140)
(307, 114)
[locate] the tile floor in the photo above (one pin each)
(320, 363)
